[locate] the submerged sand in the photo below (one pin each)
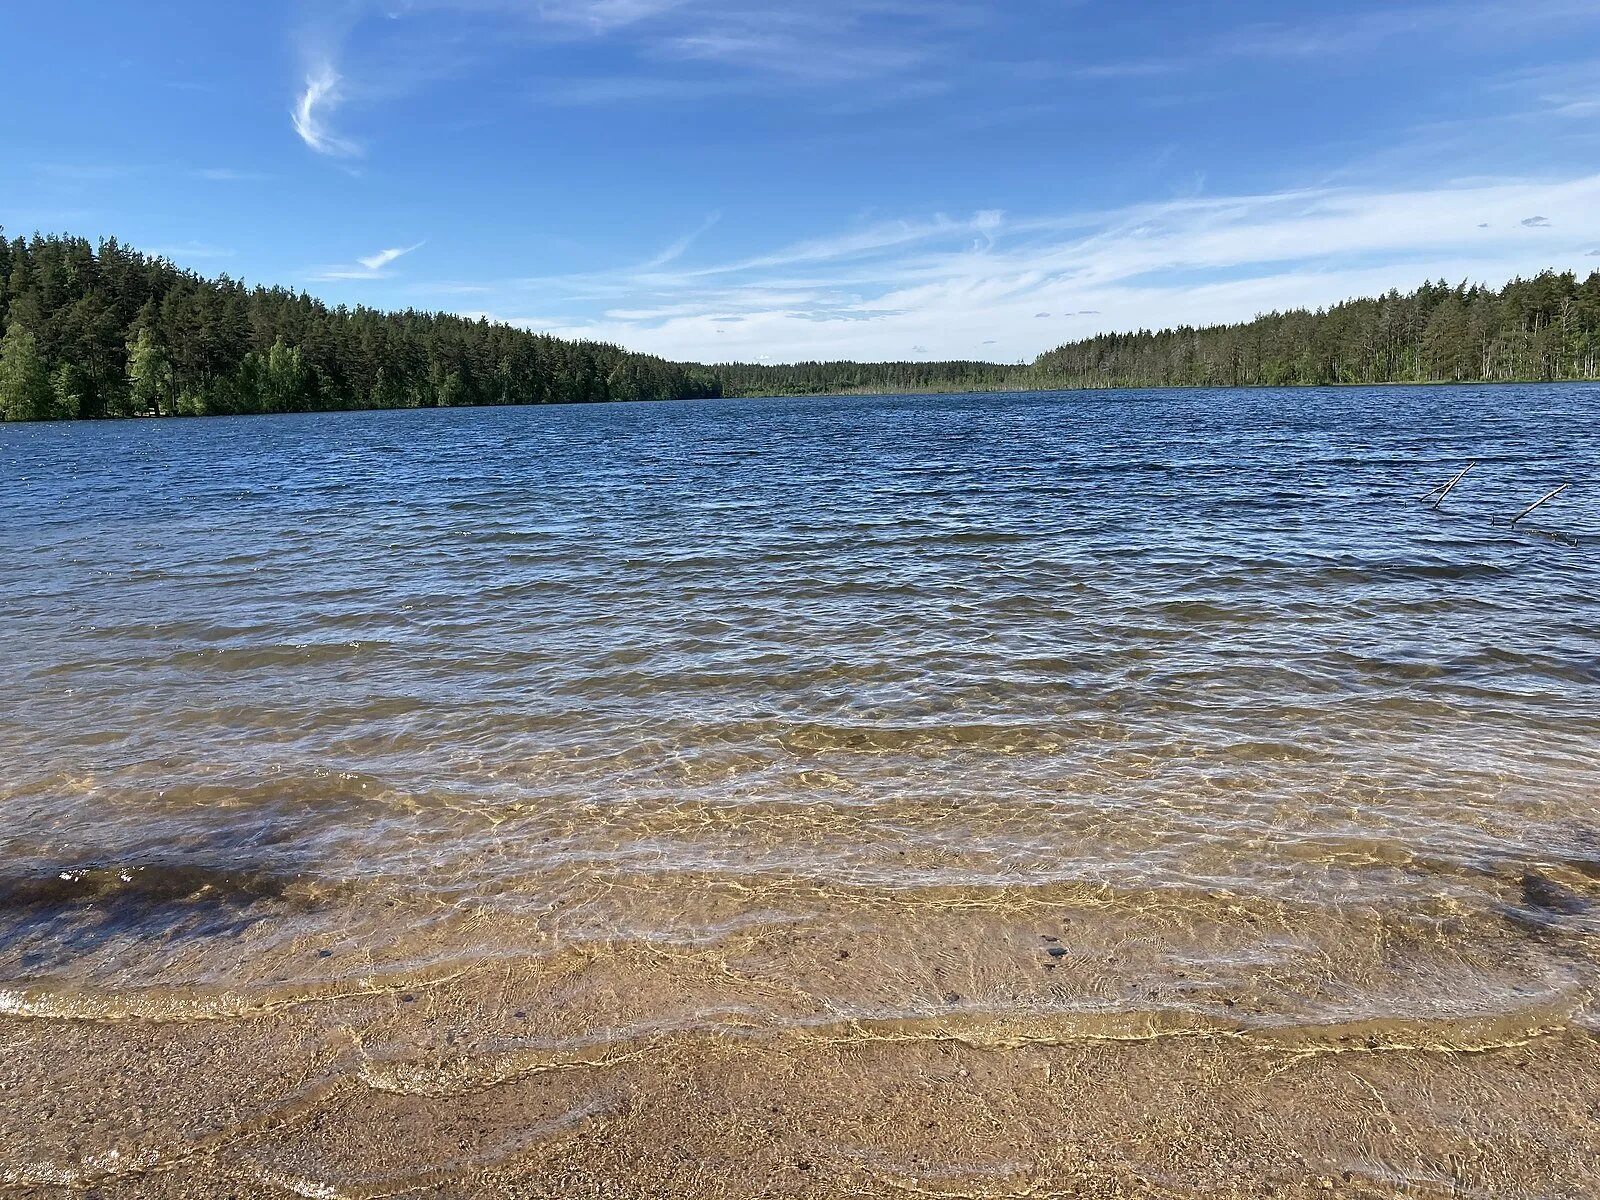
(961, 1045)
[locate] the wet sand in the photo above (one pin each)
(949, 1044)
(369, 1097)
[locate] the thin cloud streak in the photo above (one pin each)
(370, 267)
(1324, 39)
(682, 246)
(376, 262)
(958, 284)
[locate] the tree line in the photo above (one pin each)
(104, 331)
(1542, 329)
(814, 378)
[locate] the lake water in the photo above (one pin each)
(529, 769)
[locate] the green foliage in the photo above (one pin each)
(812, 378)
(277, 381)
(71, 388)
(1544, 328)
(117, 333)
(149, 376)
(26, 393)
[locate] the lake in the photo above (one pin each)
(939, 795)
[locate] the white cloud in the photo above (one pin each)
(872, 293)
(323, 93)
(376, 262)
(370, 267)
(681, 247)
(658, 48)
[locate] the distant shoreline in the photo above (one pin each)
(1165, 387)
(862, 393)
(124, 334)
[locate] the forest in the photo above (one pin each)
(1542, 329)
(104, 331)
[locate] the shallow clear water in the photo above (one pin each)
(1132, 641)
(1177, 709)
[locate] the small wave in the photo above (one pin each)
(987, 1030)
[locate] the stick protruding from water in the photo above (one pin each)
(1541, 501)
(1445, 489)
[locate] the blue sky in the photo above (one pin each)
(722, 179)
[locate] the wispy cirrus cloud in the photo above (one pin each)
(380, 260)
(370, 266)
(1333, 37)
(988, 284)
(321, 96)
(989, 281)
(658, 49)
(892, 52)
(1346, 33)
(594, 16)
(1569, 89)
(680, 247)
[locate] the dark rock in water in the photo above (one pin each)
(1545, 894)
(1056, 952)
(51, 916)
(147, 884)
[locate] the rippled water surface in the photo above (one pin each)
(1077, 713)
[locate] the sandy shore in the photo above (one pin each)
(464, 1086)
